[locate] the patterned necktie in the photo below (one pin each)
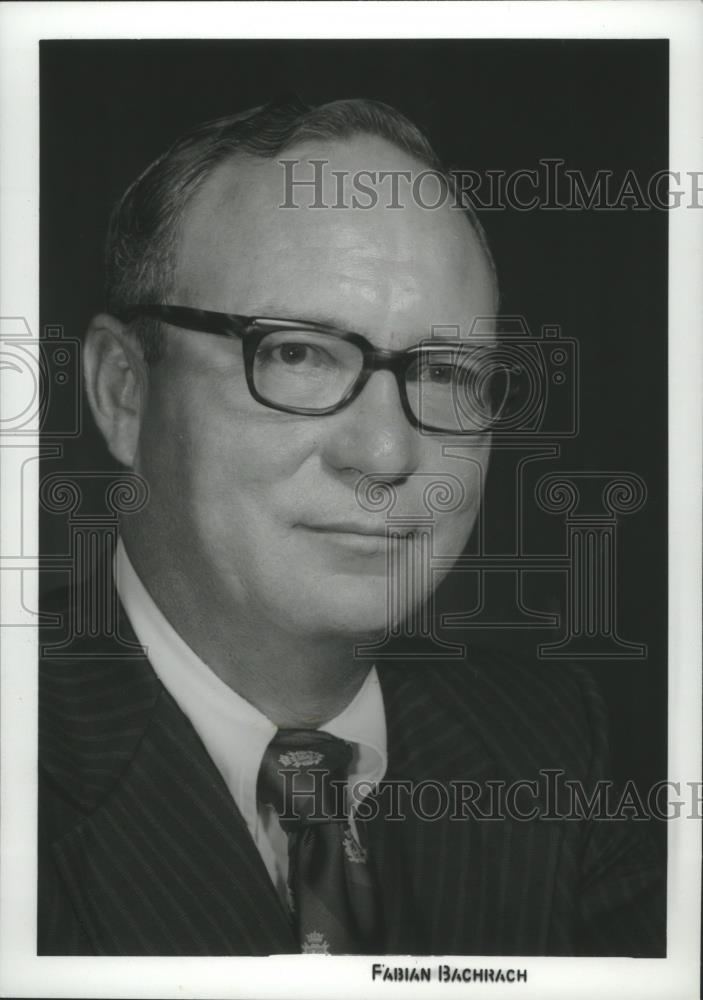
(303, 776)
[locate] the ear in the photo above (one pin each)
(116, 384)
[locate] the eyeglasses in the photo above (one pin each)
(307, 368)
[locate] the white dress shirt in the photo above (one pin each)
(234, 732)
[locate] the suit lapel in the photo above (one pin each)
(455, 884)
(160, 860)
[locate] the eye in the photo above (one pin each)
(440, 374)
(435, 370)
(292, 354)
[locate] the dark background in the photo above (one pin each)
(108, 108)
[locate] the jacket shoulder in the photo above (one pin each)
(96, 697)
(543, 714)
(531, 714)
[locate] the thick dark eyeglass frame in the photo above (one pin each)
(251, 330)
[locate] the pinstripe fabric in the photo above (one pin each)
(507, 886)
(158, 860)
(142, 850)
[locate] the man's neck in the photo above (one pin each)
(296, 682)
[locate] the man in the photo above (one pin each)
(270, 365)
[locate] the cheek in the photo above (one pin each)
(219, 469)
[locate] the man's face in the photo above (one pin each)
(256, 508)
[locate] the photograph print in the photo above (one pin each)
(353, 497)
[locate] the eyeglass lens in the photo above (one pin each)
(458, 389)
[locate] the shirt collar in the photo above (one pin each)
(234, 732)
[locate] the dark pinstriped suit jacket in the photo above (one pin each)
(142, 850)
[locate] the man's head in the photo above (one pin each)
(253, 509)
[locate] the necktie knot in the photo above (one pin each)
(304, 775)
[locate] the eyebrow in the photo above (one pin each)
(326, 319)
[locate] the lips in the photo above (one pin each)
(358, 528)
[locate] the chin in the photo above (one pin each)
(359, 617)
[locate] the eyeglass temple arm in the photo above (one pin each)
(199, 320)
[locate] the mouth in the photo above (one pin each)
(360, 538)
(358, 529)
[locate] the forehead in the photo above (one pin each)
(379, 270)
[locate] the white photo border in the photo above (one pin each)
(22, 25)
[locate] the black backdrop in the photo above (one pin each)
(109, 107)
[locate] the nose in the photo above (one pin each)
(373, 434)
